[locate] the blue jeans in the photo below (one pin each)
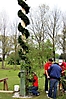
(34, 90)
(53, 87)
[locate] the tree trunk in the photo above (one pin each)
(2, 64)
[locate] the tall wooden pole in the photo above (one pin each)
(22, 40)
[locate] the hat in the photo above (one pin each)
(60, 62)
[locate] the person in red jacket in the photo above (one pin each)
(63, 66)
(46, 67)
(34, 87)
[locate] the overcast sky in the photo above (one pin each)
(12, 7)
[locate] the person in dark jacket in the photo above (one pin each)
(54, 73)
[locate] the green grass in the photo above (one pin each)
(42, 96)
(13, 79)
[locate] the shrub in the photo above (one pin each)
(12, 59)
(0, 59)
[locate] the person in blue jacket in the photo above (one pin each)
(54, 74)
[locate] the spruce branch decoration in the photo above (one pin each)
(23, 30)
(23, 17)
(24, 50)
(24, 5)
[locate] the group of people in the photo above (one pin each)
(53, 73)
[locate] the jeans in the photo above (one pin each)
(53, 88)
(34, 90)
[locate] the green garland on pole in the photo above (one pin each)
(25, 63)
(25, 31)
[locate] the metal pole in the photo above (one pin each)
(22, 83)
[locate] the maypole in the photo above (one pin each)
(22, 14)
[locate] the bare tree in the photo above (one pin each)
(53, 27)
(38, 28)
(14, 36)
(61, 38)
(4, 20)
(64, 35)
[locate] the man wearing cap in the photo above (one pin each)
(62, 64)
(46, 67)
(54, 74)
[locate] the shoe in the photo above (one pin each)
(49, 97)
(46, 92)
(65, 91)
(38, 94)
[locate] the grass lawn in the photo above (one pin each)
(13, 79)
(42, 96)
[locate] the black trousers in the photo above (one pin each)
(46, 83)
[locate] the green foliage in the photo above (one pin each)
(23, 30)
(37, 55)
(0, 59)
(25, 63)
(12, 59)
(63, 56)
(23, 17)
(48, 49)
(22, 44)
(57, 56)
(24, 5)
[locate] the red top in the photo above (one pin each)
(47, 65)
(35, 83)
(63, 66)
